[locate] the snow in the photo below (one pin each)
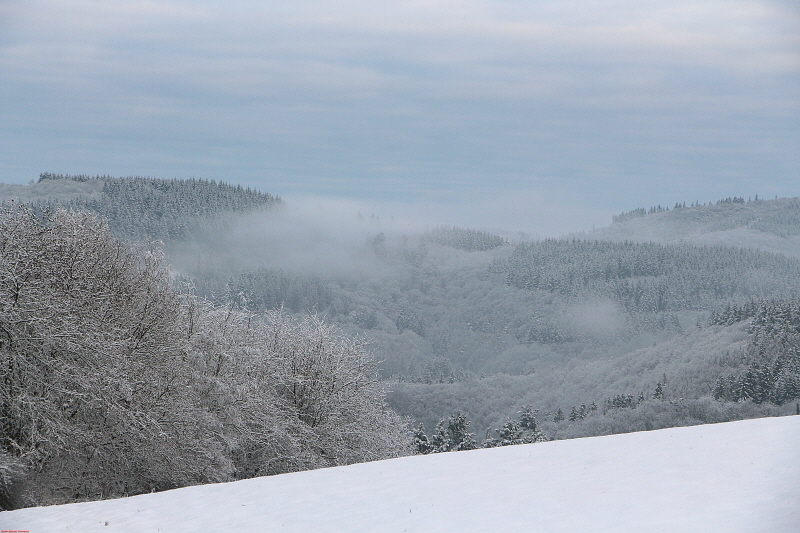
(734, 477)
(717, 225)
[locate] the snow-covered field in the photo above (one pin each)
(734, 477)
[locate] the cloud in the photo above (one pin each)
(407, 98)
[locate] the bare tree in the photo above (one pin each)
(294, 393)
(95, 394)
(328, 381)
(113, 383)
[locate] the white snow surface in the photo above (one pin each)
(733, 477)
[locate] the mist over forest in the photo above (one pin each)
(478, 336)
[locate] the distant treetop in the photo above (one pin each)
(255, 196)
(637, 213)
(464, 239)
(642, 212)
(139, 207)
(780, 216)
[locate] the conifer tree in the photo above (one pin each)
(527, 419)
(659, 392)
(420, 442)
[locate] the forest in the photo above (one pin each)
(161, 333)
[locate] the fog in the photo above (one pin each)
(506, 213)
(317, 240)
(341, 236)
(596, 317)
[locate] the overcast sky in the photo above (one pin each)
(536, 115)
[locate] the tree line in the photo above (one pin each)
(648, 277)
(139, 208)
(464, 239)
(453, 435)
(780, 216)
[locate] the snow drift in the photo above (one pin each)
(734, 477)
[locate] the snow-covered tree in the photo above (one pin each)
(527, 419)
(328, 383)
(113, 383)
(420, 443)
(510, 433)
(95, 395)
(658, 394)
(450, 436)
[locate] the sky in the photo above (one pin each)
(543, 116)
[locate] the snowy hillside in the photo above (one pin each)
(734, 477)
(769, 225)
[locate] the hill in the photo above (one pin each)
(733, 477)
(770, 225)
(595, 337)
(141, 208)
(489, 329)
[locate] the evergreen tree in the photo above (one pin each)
(573, 414)
(453, 435)
(420, 442)
(511, 433)
(527, 419)
(458, 432)
(659, 392)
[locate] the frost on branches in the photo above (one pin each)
(292, 394)
(114, 384)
